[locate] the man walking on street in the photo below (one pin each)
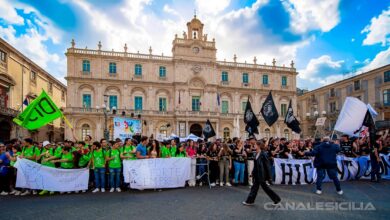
(261, 173)
(325, 161)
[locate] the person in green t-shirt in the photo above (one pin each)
(84, 154)
(47, 152)
(166, 150)
(66, 159)
(128, 150)
(114, 165)
(30, 152)
(181, 152)
(173, 148)
(98, 166)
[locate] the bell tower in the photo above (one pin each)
(194, 45)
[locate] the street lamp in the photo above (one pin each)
(106, 132)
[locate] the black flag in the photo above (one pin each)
(269, 111)
(369, 122)
(208, 130)
(291, 121)
(250, 120)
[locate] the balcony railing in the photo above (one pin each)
(8, 112)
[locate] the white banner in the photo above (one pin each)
(297, 172)
(351, 116)
(33, 175)
(157, 173)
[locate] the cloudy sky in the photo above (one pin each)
(328, 40)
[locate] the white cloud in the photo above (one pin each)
(211, 7)
(8, 13)
(381, 59)
(378, 31)
(321, 67)
(32, 41)
(236, 31)
(313, 14)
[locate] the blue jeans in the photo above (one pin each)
(332, 173)
(239, 169)
(100, 179)
(115, 174)
(202, 168)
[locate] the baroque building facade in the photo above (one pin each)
(372, 87)
(21, 78)
(173, 94)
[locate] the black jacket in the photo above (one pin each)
(261, 169)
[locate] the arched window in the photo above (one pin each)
(287, 134)
(267, 133)
(226, 133)
(163, 130)
(85, 130)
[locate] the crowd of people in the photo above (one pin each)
(227, 163)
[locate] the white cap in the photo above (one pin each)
(45, 143)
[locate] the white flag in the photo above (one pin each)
(351, 116)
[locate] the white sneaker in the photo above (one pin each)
(76, 192)
(17, 193)
(69, 192)
(95, 190)
(118, 190)
(221, 184)
(84, 191)
(112, 190)
(200, 184)
(340, 192)
(12, 192)
(213, 184)
(228, 184)
(4, 193)
(198, 177)
(34, 192)
(319, 192)
(27, 192)
(103, 190)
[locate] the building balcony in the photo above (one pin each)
(225, 83)
(9, 112)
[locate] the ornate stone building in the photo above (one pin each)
(20, 78)
(371, 87)
(174, 94)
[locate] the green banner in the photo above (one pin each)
(38, 113)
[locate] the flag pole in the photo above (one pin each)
(67, 122)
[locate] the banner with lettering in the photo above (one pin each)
(33, 175)
(126, 127)
(157, 173)
(297, 172)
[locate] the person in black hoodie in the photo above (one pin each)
(261, 173)
(325, 161)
